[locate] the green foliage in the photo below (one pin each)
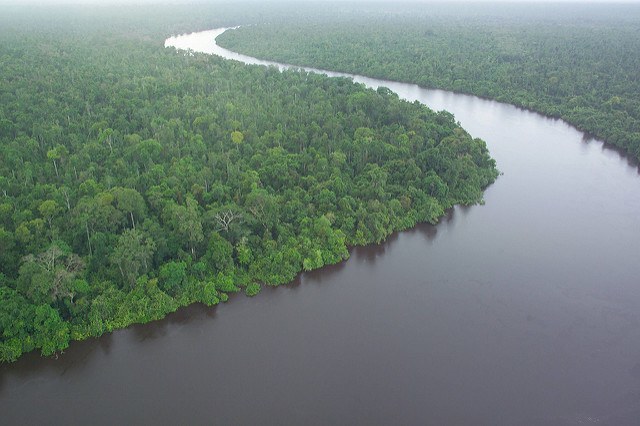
(225, 283)
(16, 324)
(135, 179)
(146, 302)
(51, 333)
(252, 289)
(577, 62)
(209, 294)
(171, 276)
(237, 137)
(218, 256)
(50, 275)
(132, 255)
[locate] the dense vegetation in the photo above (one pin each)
(577, 62)
(135, 179)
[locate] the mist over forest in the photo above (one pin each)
(434, 264)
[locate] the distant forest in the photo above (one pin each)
(579, 62)
(136, 179)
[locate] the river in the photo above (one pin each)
(523, 311)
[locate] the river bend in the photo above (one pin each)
(524, 310)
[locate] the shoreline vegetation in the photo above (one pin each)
(580, 66)
(135, 180)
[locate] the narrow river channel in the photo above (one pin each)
(522, 311)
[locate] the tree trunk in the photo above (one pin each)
(86, 227)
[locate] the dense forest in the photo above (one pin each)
(136, 179)
(576, 62)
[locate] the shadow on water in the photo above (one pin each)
(370, 253)
(621, 154)
(183, 316)
(317, 276)
(77, 356)
(81, 353)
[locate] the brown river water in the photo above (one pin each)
(522, 311)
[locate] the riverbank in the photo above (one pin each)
(561, 71)
(203, 46)
(525, 306)
(243, 186)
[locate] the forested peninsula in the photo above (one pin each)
(578, 63)
(136, 179)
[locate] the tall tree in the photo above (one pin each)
(132, 255)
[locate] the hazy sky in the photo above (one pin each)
(105, 2)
